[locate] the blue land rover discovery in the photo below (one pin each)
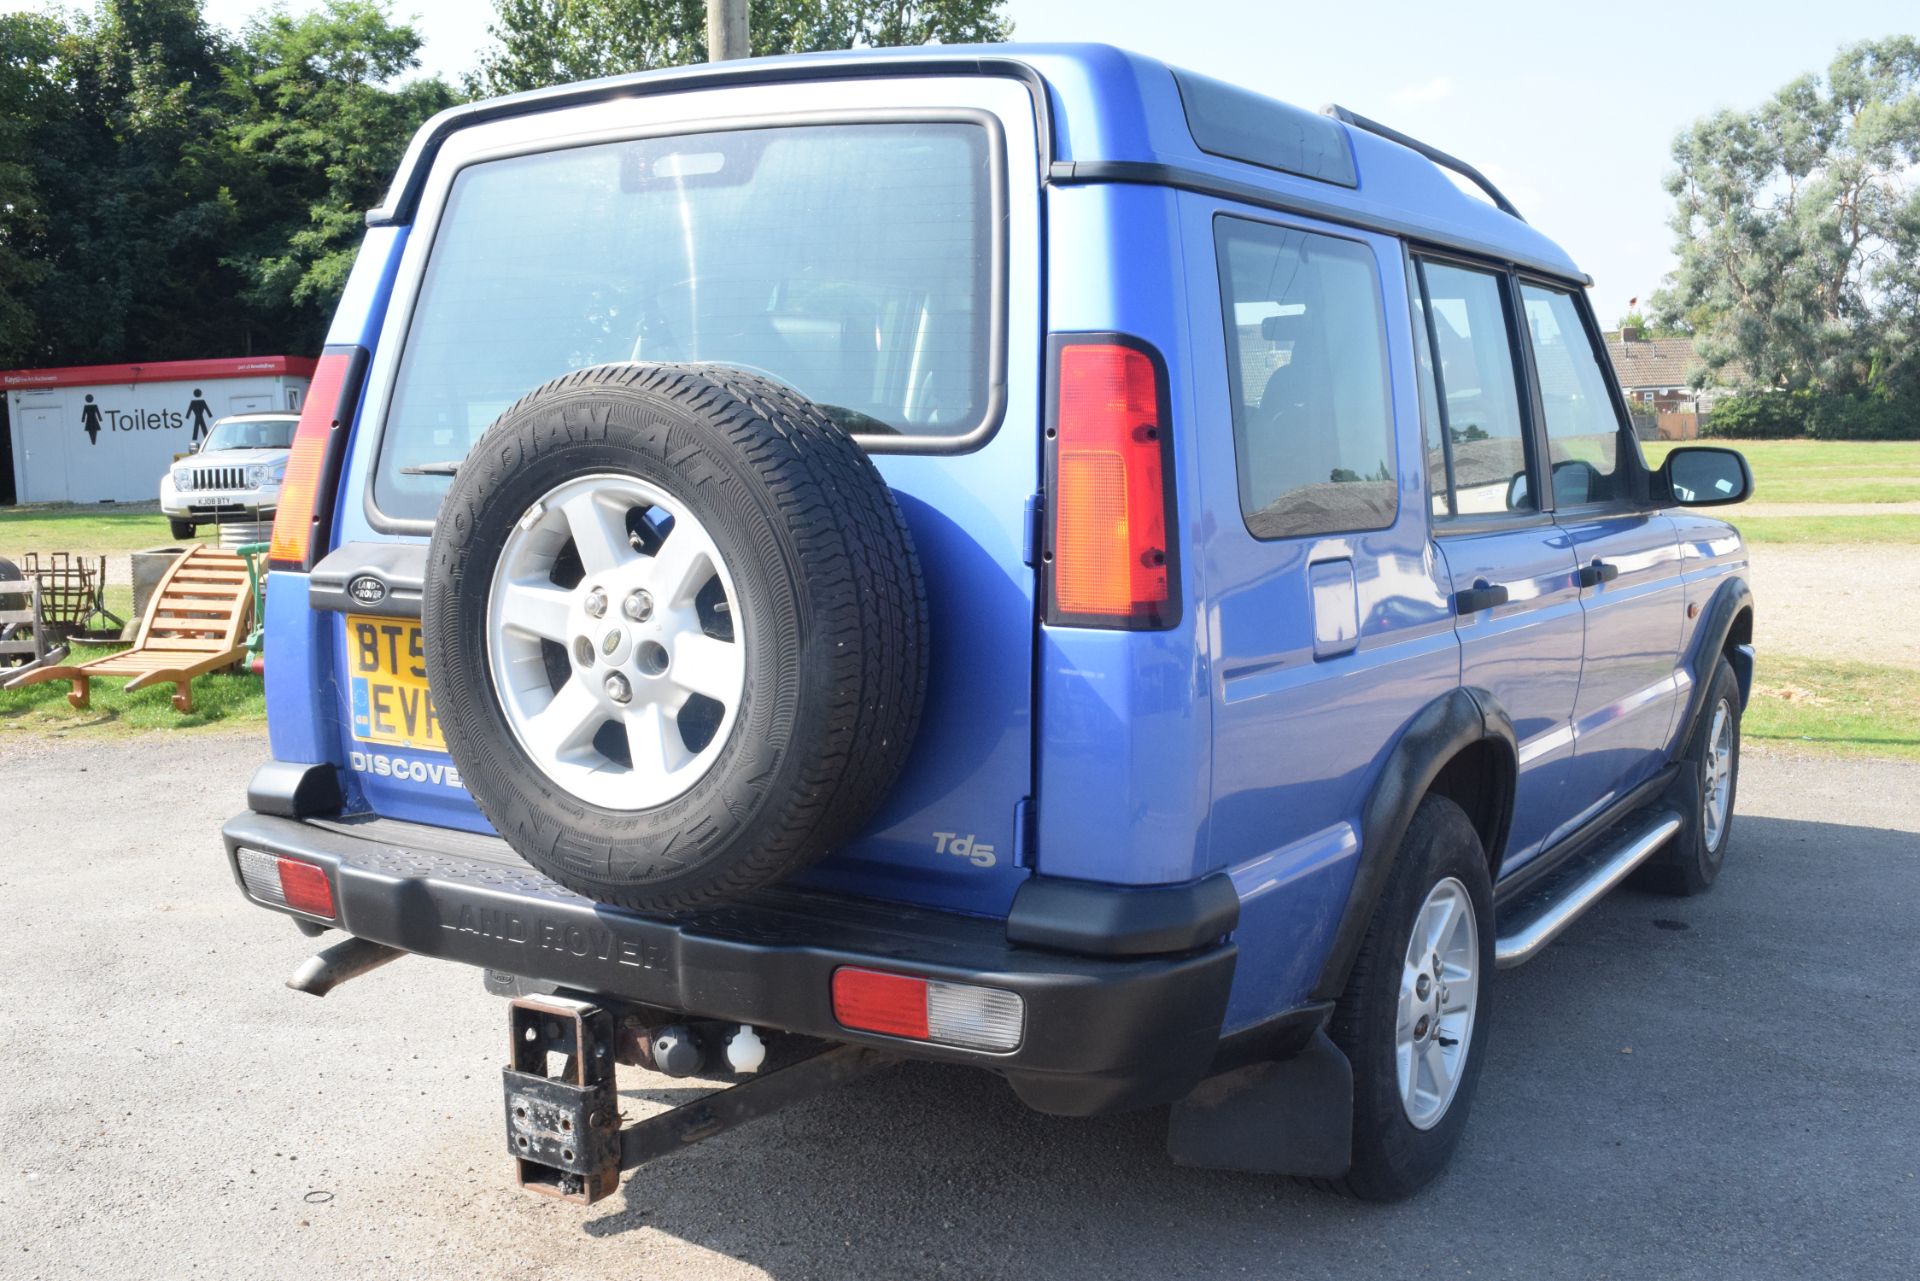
(1016, 556)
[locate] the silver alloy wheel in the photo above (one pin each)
(630, 632)
(1439, 991)
(1717, 780)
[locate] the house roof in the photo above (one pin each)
(1651, 363)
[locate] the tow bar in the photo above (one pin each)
(563, 1129)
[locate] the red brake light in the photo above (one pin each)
(306, 888)
(1111, 559)
(306, 494)
(870, 1001)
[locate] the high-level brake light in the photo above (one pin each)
(959, 1014)
(1111, 557)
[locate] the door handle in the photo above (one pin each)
(1597, 573)
(1482, 595)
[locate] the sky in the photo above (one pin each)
(1570, 108)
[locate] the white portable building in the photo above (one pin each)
(106, 433)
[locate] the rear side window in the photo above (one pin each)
(1306, 363)
(853, 262)
(1476, 435)
(1583, 431)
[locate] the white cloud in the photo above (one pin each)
(1438, 89)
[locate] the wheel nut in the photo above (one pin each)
(596, 603)
(618, 689)
(638, 606)
(1421, 986)
(583, 651)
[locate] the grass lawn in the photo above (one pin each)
(88, 530)
(1835, 708)
(1819, 471)
(1897, 527)
(229, 700)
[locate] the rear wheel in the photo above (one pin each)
(1412, 1020)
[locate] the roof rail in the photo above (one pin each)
(1434, 154)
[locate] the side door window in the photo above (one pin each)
(1477, 440)
(1585, 436)
(1510, 568)
(1307, 368)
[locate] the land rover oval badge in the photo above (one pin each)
(367, 590)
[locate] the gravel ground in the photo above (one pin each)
(1722, 1087)
(1852, 603)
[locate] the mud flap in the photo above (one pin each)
(1290, 1117)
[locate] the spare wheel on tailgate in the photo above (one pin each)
(676, 631)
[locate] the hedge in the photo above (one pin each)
(1783, 415)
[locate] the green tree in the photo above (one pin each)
(131, 215)
(327, 132)
(1798, 227)
(1650, 325)
(31, 95)
(544, 42)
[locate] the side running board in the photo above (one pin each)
(1537, 919)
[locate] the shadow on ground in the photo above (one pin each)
(1716, 1086)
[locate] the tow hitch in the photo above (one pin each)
(563, 1128)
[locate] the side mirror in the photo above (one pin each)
(1706, 476)
(1519, 499)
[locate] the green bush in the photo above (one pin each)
(1785, 415)
(1759, 415)
(1868, 417)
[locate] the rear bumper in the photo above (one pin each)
(1103, 1033)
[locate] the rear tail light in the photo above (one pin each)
(319, 442)
(287, 882)
(1110, 556)
(960, 1014)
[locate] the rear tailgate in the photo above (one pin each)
(953, 833)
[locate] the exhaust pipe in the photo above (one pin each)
(349, 959)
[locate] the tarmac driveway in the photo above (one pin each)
(1721, 1087)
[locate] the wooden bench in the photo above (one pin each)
(196, 623)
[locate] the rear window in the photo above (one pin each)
(851, 261)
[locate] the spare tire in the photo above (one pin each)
(676, 632)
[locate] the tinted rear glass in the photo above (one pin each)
(850, 261)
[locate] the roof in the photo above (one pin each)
(159, 371)
(1650, 363)
(1108, 116)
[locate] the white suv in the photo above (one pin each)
(234, 475)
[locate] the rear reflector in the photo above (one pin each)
(960, 1014)
(306, 495)
(1110, 558)
(287, 882)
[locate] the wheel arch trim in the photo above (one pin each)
(1457, 721)
(1732, 601)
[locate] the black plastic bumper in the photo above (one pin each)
(1102, 1032)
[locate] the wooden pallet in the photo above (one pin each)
(196, 623)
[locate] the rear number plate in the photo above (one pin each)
(388, 665)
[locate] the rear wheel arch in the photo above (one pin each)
(1461, 743)
(1479, 778)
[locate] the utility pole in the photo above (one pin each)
(726, 30)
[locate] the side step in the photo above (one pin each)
(1537, 919)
